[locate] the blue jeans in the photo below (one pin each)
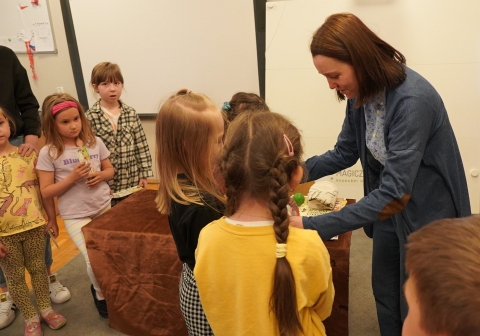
(17, 141)
(388, 276)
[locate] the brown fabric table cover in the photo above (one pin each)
(134, 258)
(135, 261)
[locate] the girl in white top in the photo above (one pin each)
(74, 166)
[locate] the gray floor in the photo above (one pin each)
(84, 320)
(362, 315)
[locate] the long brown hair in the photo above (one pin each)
(184, 143)
(443, 260)
(11, 121)
(376, 63)
(256, 162)
(52, 137)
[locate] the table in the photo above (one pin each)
(135, 261)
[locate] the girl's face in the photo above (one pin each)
(219, 129)
(340, 75)
(68, 124)
(4, 130)
(110, 92)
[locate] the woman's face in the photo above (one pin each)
(340, 75)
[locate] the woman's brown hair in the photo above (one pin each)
(256, 162)
(185, 140)
(376, 63)
(52, 137)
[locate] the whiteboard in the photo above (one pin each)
(25, 25)
(164, 45)
(440, 40)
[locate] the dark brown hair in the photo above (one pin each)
(256, 163)
(52, 137)
(443, 260)
(376, 63)
(106, 72)
(243, 102)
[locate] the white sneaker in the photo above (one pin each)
(7, 310)
(58, 292)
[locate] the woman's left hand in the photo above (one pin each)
(296, 221)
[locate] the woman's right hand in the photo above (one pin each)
(80, 171)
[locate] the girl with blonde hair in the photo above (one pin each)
(189, 136)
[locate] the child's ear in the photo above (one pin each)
(296, 177)
(95, 87)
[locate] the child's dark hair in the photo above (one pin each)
(10, 120)
(106, 72)
(52, 137)
(244, 102)
(262, 151)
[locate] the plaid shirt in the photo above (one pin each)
(129, 153)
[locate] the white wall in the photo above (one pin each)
(440, 40)
(163, 45)
(444, 48)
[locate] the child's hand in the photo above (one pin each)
(94, 178)
(52, 227)
(143, 183)
(80, 171)
(3, 251)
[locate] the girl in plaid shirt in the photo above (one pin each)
(119, 126)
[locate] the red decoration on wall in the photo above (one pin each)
(34, 2)
(30, 49)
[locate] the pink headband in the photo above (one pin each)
(62, 106)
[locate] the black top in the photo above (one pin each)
(186, 222)
(16, 95)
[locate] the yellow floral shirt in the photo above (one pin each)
(21, 207)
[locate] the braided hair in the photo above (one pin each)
(257, 162)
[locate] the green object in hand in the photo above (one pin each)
(299, 198)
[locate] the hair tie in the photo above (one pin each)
(62, 106)
(226, 106)
(289, 145)
(280, 250)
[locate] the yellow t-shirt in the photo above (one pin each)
(21, 207)
(234, 274)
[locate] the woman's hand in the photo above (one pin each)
(94, 178)
(296, 221)
(52, 227)
(80, 171)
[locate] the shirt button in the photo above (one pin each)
(374, 135)
(379, 111)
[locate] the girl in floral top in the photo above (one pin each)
(119, 127)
